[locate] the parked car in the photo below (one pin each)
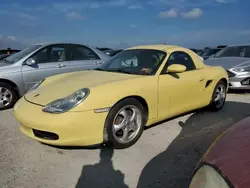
(236, 60)
(3, 56)
(103, 49)
(8, 51)
(221, 46)
(138, 87)
(20, 71)
(112, 53)
(193, 49)
(209, 53)
(226, 163)
(199, 52)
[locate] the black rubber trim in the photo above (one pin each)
(208, 83)
(33, 102)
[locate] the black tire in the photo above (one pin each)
(13, 93)
(213, 105)
(108, 127)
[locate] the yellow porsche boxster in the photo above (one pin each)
(138, 87)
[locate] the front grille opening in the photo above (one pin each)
(246, 81)
(45, 135)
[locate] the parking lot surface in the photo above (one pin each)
(165, 155)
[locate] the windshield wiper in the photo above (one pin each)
(114, 70)
(120, 71)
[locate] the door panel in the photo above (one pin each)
(80, 58)
(50, 61)
(82, 65)
(180, 93)
(33, 74)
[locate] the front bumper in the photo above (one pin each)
(67, 129)
(236, 81)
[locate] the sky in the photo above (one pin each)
(124, 23)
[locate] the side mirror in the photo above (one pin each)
(30, 62)
(176, 68)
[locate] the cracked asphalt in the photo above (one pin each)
(165, 155)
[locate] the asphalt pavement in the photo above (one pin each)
(165, 155)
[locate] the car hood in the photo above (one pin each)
(230, 153)
(62, 85)
(227, 62)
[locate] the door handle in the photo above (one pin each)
(61, 65)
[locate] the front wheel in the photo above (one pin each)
(219, 96)
(125, 123)
(8, 96)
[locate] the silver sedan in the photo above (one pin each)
(236, 60)
(21, 71)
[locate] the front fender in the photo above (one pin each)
(16, 79)
(107, 95)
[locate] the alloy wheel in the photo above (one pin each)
(220, 95)
(5, 97)
(127, 124)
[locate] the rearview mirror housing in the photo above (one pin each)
(30, 62)
(176, 68)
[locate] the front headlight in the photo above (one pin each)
(65, 104)
(243, 69)
(36, 85)
(208, 177)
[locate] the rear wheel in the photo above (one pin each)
(219, 96)
(8, 96)
(125, 123)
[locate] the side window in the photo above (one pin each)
(180, 58)
(130, 62)
(57, 54)
(78, 52)
(121, 62)
(54, 53)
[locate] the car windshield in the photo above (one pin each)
(3, 56)
(19, 55)
(234, 51)
(135, 61)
